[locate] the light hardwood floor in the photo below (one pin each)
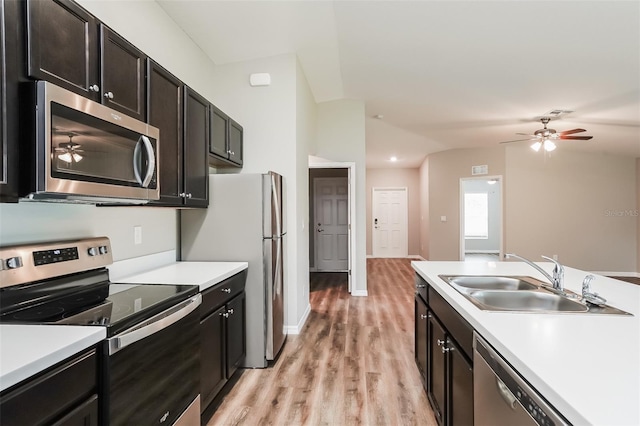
(352, 364)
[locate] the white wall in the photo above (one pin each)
(572, 204)
(397, 178)
(638, 215)
(28, 222)
(492, 243)
(341, 138)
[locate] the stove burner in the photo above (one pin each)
(120, 310)
(39, 313)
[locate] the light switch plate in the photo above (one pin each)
(443, 218)
(137, 235)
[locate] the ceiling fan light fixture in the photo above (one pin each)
(549, 145)
(536, 146)
(66, 157)
(77, 157)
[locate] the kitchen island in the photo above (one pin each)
(586, 365)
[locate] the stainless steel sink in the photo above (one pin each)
(527, 301)
(478, 282)
(504, 293)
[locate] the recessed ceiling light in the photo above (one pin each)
(378, 116)
(393, 158)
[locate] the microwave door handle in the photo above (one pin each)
(136, 162)
(151, 160)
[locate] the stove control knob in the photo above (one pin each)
(103, 250)
(93, 251)
(14, 262)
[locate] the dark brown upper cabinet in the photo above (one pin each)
(225, 146)
(196, 142)
(122, 74)
(164, 103)
(72, 49)
(9, 60)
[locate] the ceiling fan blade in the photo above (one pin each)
(572, 131)
(517, 140)
(527, 134)
(576, 138)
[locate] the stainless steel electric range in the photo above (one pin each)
(149, 363)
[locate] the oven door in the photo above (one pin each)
(85, 149)
(151, 371)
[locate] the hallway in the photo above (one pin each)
(353, 363)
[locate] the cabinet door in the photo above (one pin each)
(85, 414)
(62, 43)
(123, 69)
(9, 60)
(461, 387)
(236, 333)
(196, 143)
(164, 94)
(212, 362)
(421, 338)
(218, 145)
(235, 142)
(436, 386)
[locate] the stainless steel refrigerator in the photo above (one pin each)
(244, 222)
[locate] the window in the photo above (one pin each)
(476, 215)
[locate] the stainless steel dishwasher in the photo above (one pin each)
(502, 397)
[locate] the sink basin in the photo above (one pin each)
(526, 301)
(478, 282)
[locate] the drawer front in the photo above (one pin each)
(457, 326)
(52, 394)
(220, 293)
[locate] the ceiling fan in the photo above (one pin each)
(544, 138)
(68, 151)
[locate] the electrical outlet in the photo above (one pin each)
(137, 235)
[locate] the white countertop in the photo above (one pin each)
(586, 366)
(29, 349)
(203, 274)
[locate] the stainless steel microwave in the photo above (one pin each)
(87, 152)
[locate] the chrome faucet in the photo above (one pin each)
(557, 280)
(590, 296)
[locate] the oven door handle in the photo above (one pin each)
(151, 161)
(154, 324)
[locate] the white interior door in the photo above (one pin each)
(332, 224)
(390, 219)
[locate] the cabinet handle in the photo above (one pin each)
(423, 316)
(441, 342)
(230, 311)
(184, 195)
(108, 95)
(224, 314)
(226, 290)
(445, 349)
(420, 286)
(94, 88)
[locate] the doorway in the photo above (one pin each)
(390, 222)
(481, 222)
(344, 174)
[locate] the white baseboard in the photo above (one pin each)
(482, 251)
(359, 293)
(295, 329)
(416, 257)
(617, 274)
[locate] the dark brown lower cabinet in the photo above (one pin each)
(64, 395)
(443, 345)
(222, 336)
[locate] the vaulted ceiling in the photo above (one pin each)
(446, 74)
